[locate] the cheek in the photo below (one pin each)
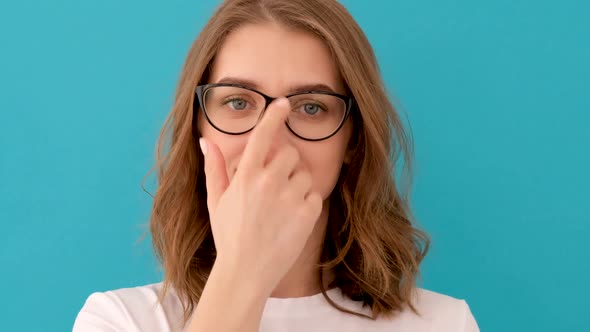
(325, 159)
(325, 165)
(231, 146)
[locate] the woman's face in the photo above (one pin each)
(277, 61)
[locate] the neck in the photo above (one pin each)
(303, 277)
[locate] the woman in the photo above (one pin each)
(289, 218)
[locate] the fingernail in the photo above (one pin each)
(203, 145)
(282, 102)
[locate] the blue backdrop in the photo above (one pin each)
(496, 92)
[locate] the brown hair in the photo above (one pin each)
(370, 245)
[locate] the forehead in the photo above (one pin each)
(276, 58)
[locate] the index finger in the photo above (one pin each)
(262, 135)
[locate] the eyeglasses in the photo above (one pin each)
(235, 109)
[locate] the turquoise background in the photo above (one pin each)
(496, 92)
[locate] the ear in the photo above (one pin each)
(348, 155)
(351, 148)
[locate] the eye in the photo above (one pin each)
(311, 109)
(237, 104)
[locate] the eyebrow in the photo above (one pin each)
(293, 89)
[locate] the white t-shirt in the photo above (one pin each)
(137, 309)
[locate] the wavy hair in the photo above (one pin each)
(371, 245)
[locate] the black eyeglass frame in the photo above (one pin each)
(202, 89)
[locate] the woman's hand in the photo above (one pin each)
(263, 218)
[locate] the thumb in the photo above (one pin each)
(215, 173)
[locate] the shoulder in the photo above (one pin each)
(435, 312)
(444, 312)
(129, 309)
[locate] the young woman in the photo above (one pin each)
(277, 206)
